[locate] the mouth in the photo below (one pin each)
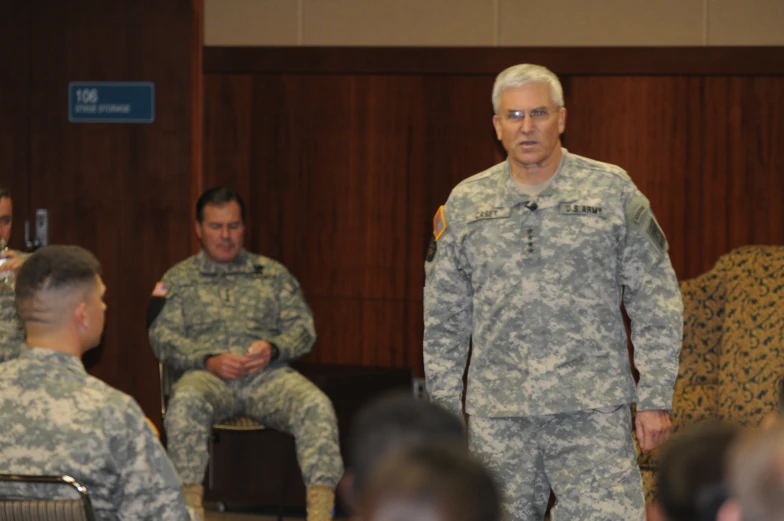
(528, 143)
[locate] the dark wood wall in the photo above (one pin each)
(345, 154)
(120, 190)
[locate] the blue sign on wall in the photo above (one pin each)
(111, 102)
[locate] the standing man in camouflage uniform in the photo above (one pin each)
(11, 331)
(58, 420)
(529, 261)
(228, 322)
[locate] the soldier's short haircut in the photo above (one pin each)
(218, 195)
(691, 471)
(523, 74)
(392, 422)
(756, 474)
(54, 268)
(427, 482)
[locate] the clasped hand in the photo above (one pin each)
(233, 367)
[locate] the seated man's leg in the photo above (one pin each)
(287, 401)
(199, 399)
(509, 448)
(592, 464)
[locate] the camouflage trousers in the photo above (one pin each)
(587, 457)
(281, 399)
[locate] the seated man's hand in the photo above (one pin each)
(653, 428)
(13, 261)
(258, 356)
(226, 366)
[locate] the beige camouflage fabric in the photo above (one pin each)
(12, 336)
(212, 309)
(535, 286)
(58, 420)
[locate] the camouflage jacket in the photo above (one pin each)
(536, 285)
(212, 308)
(12, 337)
(58, 420)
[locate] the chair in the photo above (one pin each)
(33, 509)
(237, 423)
(732, 357)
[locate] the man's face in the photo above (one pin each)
(96, 313)
(221, 231)
(6, 211)
(534, 139)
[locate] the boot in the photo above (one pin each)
(321, 501)
(194, 492)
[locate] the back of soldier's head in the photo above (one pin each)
(431, 483)
(51, 280)
(391, 423)
(691, 471)
(756, 474)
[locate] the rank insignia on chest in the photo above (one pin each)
(439, 223)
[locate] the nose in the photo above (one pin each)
(224, 232)
(526, 125)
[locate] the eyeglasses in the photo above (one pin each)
(539, 114)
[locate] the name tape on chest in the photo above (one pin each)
(491, 213)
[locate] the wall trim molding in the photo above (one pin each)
(608, 61)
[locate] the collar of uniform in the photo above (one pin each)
(242, 264)
(54, 357)
(510, 195)
(564, 188)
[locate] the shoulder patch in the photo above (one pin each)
(439, 223)
(656, 235)
(161, 290)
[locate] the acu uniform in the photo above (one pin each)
(201, 309)
(535, 284)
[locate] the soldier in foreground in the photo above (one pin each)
(228, 322)
(58, 420)
(529, 261)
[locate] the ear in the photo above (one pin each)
(562, 120)
(197, 229)
(729, 511)
(81, 316)
(497, 125)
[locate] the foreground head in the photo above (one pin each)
(691, 472)
(756, 477)
(59, 290)
(529, 114)
(220, 224)
(431, 483)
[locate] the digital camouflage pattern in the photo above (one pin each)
(58, 420)
(212, 309)
(12, 336)
(588, 457)
(538, 292)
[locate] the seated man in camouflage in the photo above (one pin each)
(228, 322)
(58, 420)
(11, 332)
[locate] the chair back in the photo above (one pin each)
(35, 509)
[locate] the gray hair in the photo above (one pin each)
(523, 74)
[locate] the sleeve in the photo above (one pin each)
(295, 322)
(448, 313)
(166, 329)
(12, 335)
(150, 488)
(653, 301)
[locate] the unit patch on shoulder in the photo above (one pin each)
(161, 290)
(657, 235)
(439, 223)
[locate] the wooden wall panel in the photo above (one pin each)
(345, 157)
(120, 190)
(14, 121)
